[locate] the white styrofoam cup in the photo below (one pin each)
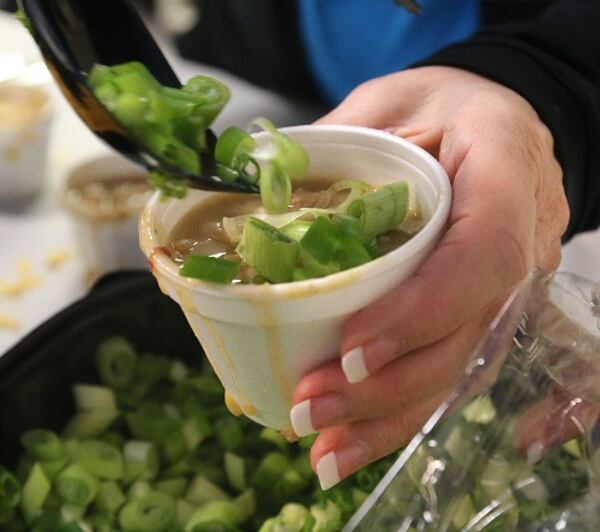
(261, 339)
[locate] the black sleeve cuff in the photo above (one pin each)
(566, 101)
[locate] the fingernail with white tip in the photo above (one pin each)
(353, 364)
(327, 471)
(535, 452)
(301, 420)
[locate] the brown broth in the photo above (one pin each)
(201, 231)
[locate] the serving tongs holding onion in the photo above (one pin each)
(75, 35)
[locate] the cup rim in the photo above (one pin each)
(162, 262)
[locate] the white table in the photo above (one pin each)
(32, 231)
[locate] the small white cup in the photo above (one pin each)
(25, 119)
(106, 242)
(262, 338)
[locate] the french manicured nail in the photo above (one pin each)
(344, 461)
(379, 351)
(327, 471)
(301, 419)
(535, 452)
(353, 364)
(319, 412)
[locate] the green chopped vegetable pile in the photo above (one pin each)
(153, 448)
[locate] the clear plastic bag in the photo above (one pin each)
(517, 445)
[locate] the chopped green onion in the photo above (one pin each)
(231, 144)
(110, 497)
(169, 184)
(173, 446)
(130, 109)
(202, 490)
(113, 438)
(275, 187)
(10, 489)
(225, 512)
(175, 487)
(229, 433)
(138, 489)
(178, 371)
(301, 274)
(154, 512)
(69, 527)
(100, 459)
(319, 248)
(76, 486)
(35, 491)
(296, 229)
(381, 210)
(53, 467)
(209, 269)
(289, 485)
(116, 361)
(290, 155)
(88, 397)
(91, 423)
(271, 253)
(356, 190)
(141, 460)
(273, 437)
(246, 503)
(327, 516)
(185, 510)
(172, 151)
(195, 429)
(269, 470)
(235, 469)
(226, 174)
(293, 516)
(212, 94)
(71, 512)
(43, 444)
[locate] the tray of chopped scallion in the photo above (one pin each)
(110, 420)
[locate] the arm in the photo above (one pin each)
(554, 63)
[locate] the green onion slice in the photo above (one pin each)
(211, 269)
(271, 253)
(290, 155)
(43, 444)
(101, 459)
(231, 144)
(275, 187)
(153, 512)
(10, 489)
(76, 486)
(116, 361)
(381, 210)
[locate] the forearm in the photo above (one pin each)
(554, 63)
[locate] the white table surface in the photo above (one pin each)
(32, 231)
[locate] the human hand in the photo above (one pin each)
(403, 354)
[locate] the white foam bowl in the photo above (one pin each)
(105, 244)
(24, 151)
(261, 339)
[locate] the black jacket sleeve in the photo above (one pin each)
(553, 62)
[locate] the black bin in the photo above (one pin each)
(36, 375)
